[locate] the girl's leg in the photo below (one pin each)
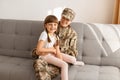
(60, 63)
(71, 59)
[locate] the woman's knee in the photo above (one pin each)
(64, 64)
(73, 59)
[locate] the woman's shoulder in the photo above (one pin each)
(72, 30)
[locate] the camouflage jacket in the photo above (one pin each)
(68, 40)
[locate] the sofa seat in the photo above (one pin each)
(12, 67)
(93, 72)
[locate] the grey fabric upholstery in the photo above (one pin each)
(99, 67)
(19, 37)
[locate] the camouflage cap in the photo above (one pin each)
(68, 13)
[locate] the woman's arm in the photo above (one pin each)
(40, 50)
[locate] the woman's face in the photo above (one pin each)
(51, 27)
(64, 22)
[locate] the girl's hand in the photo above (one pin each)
(58, 55)
(54, 51)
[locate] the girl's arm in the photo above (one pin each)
(40, 50)
(58, 53)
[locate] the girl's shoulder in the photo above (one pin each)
(43, 35)
(44, 32)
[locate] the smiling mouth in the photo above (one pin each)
(52, 29)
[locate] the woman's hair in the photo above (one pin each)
(50, 19)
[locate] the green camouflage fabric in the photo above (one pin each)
(53, 71)
(40, 67)
(43, 70)
(68, 40)
(34, 55)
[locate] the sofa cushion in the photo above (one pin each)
(92, 72)
(19, 37)
(79, 28)
(13, 68)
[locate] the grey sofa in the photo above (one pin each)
(19, 37)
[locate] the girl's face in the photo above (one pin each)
(51, 27)
(64, 22)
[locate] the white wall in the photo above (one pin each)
(97, 11)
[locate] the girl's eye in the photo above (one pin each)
(49, 24)
(55, 24)
(52, 24)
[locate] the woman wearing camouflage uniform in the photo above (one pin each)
(67, 36)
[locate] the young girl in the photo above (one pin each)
(48, 47)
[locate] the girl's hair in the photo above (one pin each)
(50, 19)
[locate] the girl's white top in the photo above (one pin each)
(44, 37)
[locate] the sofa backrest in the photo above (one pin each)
(93, 53)
(19, 37)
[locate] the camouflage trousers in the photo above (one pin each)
(45, 71)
